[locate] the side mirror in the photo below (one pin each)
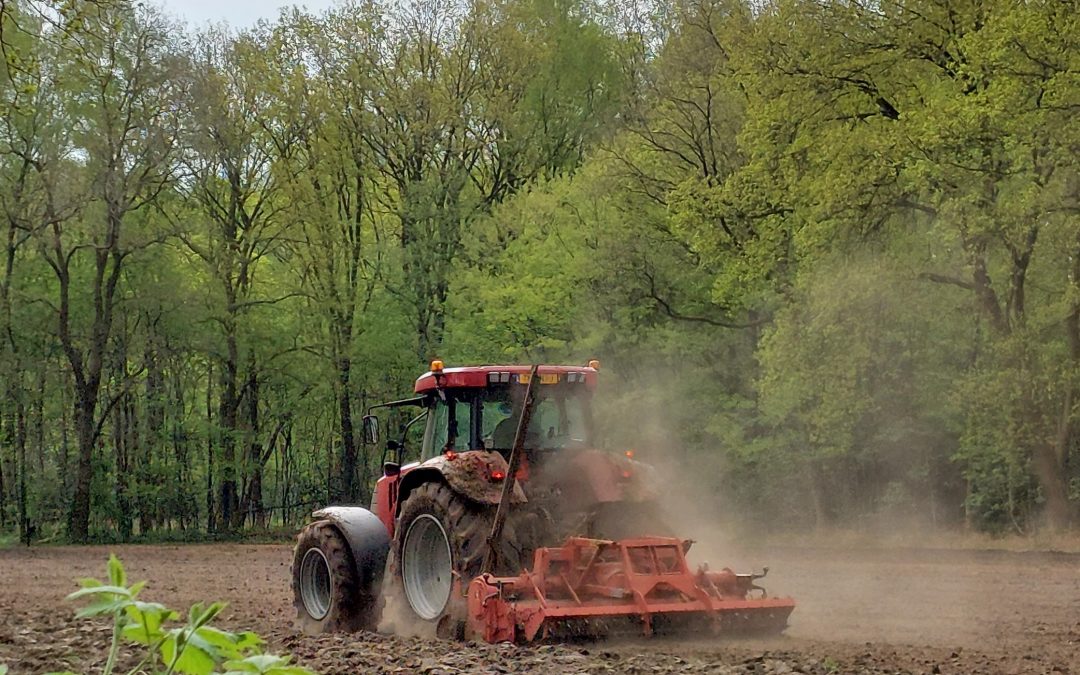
(371, 429)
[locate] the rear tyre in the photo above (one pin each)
(326, 592)
(438, 548)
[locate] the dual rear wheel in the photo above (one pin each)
(326, 590)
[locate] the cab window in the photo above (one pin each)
(451, 425)
(560, 418)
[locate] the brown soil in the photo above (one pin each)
(859, 611)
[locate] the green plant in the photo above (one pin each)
(194, 647)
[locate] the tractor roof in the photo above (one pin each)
(480, 376)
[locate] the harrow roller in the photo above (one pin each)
(593, 587)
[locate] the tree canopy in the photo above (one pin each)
(828, 252)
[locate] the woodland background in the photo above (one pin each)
(827, 251)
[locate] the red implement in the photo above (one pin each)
(590, 587)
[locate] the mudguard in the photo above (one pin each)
(368, 540)
(467, 473)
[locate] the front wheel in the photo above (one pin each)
(326, 592)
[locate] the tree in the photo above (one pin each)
(332, 188)
(113, 82)
(878, 121)
(232, 170)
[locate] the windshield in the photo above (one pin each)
(560, 419)
(450, 429)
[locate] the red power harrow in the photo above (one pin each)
(590, 587)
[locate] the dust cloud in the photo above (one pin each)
(884, 583)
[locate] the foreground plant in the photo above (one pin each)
(194, 647)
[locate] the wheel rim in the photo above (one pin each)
(426, 567)
(315, 584)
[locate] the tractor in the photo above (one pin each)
(511, 526)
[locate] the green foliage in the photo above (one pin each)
(195, 647)
(826, 251)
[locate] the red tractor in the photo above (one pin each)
(512, 526)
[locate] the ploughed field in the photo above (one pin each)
(860, 611)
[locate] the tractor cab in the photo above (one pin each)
(469, 417)
(477, 408)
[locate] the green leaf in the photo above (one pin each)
(117, 575)
(198, 617)
(103, 607)
(252, 664)
(222, 644)
(203, 647)
(136, 588)
(265, 664)
(98, 590)
(155, 608)
(192, 659)
(146, 620)
(248, 640)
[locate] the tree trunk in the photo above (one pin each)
(149, 450)
(79, 522)
(3, 485)
(1051, 461)
(984, 292)
(348, 438)
(123, 470)
(253, 462)
(133, 447)
(226, 425)
(187, 510)
(286, 475)
(20, 449)
(65, 438)
(9, 361)
(39, 423)
(228, 407)
(9, 442)
(211, 517)
(1048, 463)
(817, 494)
(86, 367)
